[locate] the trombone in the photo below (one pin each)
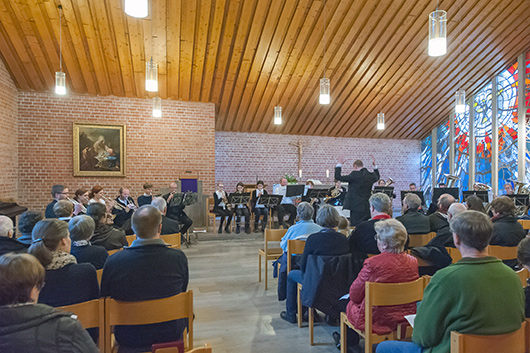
(116, 205)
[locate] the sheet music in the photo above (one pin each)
(410, 319)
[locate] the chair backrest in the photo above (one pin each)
(523, 276)
(503, 252)
(210, 204)
(112, 252)
(420, 239)
(525, 223)
(514, 342)
(454, 253)
(172, 239)
(99, 273)
(294, 247)
(130, 239)
(272, 235)
(147, 312)
(89, 314)
(206, 349)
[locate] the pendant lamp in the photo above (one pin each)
(437, 33)
(277, 115)
(380, 121)
(151, 76)
(137, 8)
(60, 76)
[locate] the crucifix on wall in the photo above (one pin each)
(299, 145)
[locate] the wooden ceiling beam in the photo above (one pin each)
(174, 23)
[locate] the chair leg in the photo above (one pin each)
(259, 267)
(299, 304)
(266, 271)
(343, 333)
(311, 312)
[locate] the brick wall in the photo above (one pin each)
(247, 156)
(8, 136)
(158, 150)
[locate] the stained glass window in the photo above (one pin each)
(527, 81)
(442, 152)
(426, 168)
(483, 112)
(462, 149)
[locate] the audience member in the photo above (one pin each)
(26, 223)
(169, 226)
(81, 229)
(438, 219)
(26, 326)
(104, 235)
(523, 256)
(64, 210)
(344, 226)
(506, 230)
(414, 221)
(475, 203)
(8, 243)
(146, 270)
(325, 242)
(363, 237)
(67, 282)
(444, 236)
(465, 296)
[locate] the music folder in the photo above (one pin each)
(437, 192)
(419, 193)
(317, 193)
(294, 190)
(270, 200)
(482, 194)
(236, 198)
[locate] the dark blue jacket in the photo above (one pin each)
(49, 210)
(92, 254)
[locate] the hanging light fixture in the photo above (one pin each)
(437, 33)
(151, 76)
(324, 97)
(460, 96)
(381, 121)
(277, 115)
(60, 76)
(157, 107)
(137, 8)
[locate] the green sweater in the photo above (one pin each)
(475, 295)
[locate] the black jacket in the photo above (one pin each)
(8, 245)
(91, 254)
(437, 221)
(109, 237)
(359, 191)
(326, 242)
(254, 198)
(169, 226)
(507, 231)
(362, 239)
(443, 238)
(121, 215)
(49, 210)
(144, 200)
(38, 328)
(415, 222)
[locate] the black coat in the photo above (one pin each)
(359, 191)
(437, 221)
(362, 239)
(8, 245)
(326, 242)
(49, 210)
(254, 198)
(415, 222)
(169, 226)
(507, 231)
(121, 215)
(443, 238)
(91, 254)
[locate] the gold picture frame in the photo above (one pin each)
(99, 150)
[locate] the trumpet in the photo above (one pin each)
(83, 208)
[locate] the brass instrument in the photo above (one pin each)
(483, 187)
(522, 189)
(389, 182)
(225, 201)
(333, 194)
(116, 204)
(451, 179)
(83, 208)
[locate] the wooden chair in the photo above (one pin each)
(514, 342)
(89, 314)
(172, 239)
(147, 312)
(99, 273)
(271, 235)
(503, 252)
(130, 239)
(209, 213)
(112, 252)
(206, 349)
(295, 247)
(381, 294)
(454, 253)
(420, 239)
(525, 223)
(523, 276)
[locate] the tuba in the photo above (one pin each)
(451, 179)
(522, 189)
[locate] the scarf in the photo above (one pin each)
(79, 243)
(60, 259)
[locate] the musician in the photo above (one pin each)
(359, 189)
(81, 196)
(312, 201)
(259, 210)
(412, 187)
(242, 210)
(221, 208)
(286, 206)
(381, 182)
(175, 211)
(124, 209)
(337, 190)
(147, 197)
(59, 192)
(508, 189)
(96, 196)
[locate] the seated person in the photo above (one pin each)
(315, 202)
(67, 282)
(146, 270)
(391, 266)
(64, 210)
(438, 219)
(26, 326)
(59, 192)
(325, 242)
(105, 235)
(434, 203)
(81, 196)
(241, 210)
(147, 197)
(363, 237)
(169, 226)
(221, 208)
(124, 208)
(444, 237)
(474, 203)
(26, 223)
(81, 229)
(304, 227)
(412, 187)
(506, 230)
(286, 206)
(8, 243)
(176, 211)
(414, 221)
(465, 296)
(338, 194)
(258, 209)
(523, 256)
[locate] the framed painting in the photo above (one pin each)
(99, 150)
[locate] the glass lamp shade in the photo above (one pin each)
(381, 121)
(60, 83)
(460, 101)
(151, 76)
(324, 97)
(137, 8)
(277, 115)
(157, 107)
(438, 33)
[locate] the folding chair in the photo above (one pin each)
(420, 239)
(271, 235)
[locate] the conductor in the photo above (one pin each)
(360, 182)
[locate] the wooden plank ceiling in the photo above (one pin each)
(247, 56)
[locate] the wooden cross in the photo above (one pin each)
(298, 144)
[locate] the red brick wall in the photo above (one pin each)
(8, 136)
(267, 157)
(158, 150)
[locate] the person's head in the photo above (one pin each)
(124, 193)
(444, 202)
(455, 209)
(63, 208)
(6, 227)
(81, 196)
(97, 191)
(310, 183)
(503, 206)
(240, 187)
(260, 185)
(148, 188)
(328, 217)
(473, 229)
(220, 186)
(146, 222)
(442, 185)
(508, 189)
(474, 203)
(21, 279)
(283, 181)
(59, 192)
(173, 187)
(380, 203)
(305, 211)
(81, 228)
(344, 223)
(160, 204)
(411, 202)
(358, 164)
(476, 187)
(97, 212)
(338, 184)
(381, 182)
(391, 236)
(27, 221)
(49, 235)
(523, 253)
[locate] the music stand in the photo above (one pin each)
(190, 198)
(237, 198)
(317, 193)
(270, 200)
(520, 199)
(294, 190)
(455, 192)
(418, 193)
(483, 195)
(388, 190)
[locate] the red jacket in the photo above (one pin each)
(383, 268)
